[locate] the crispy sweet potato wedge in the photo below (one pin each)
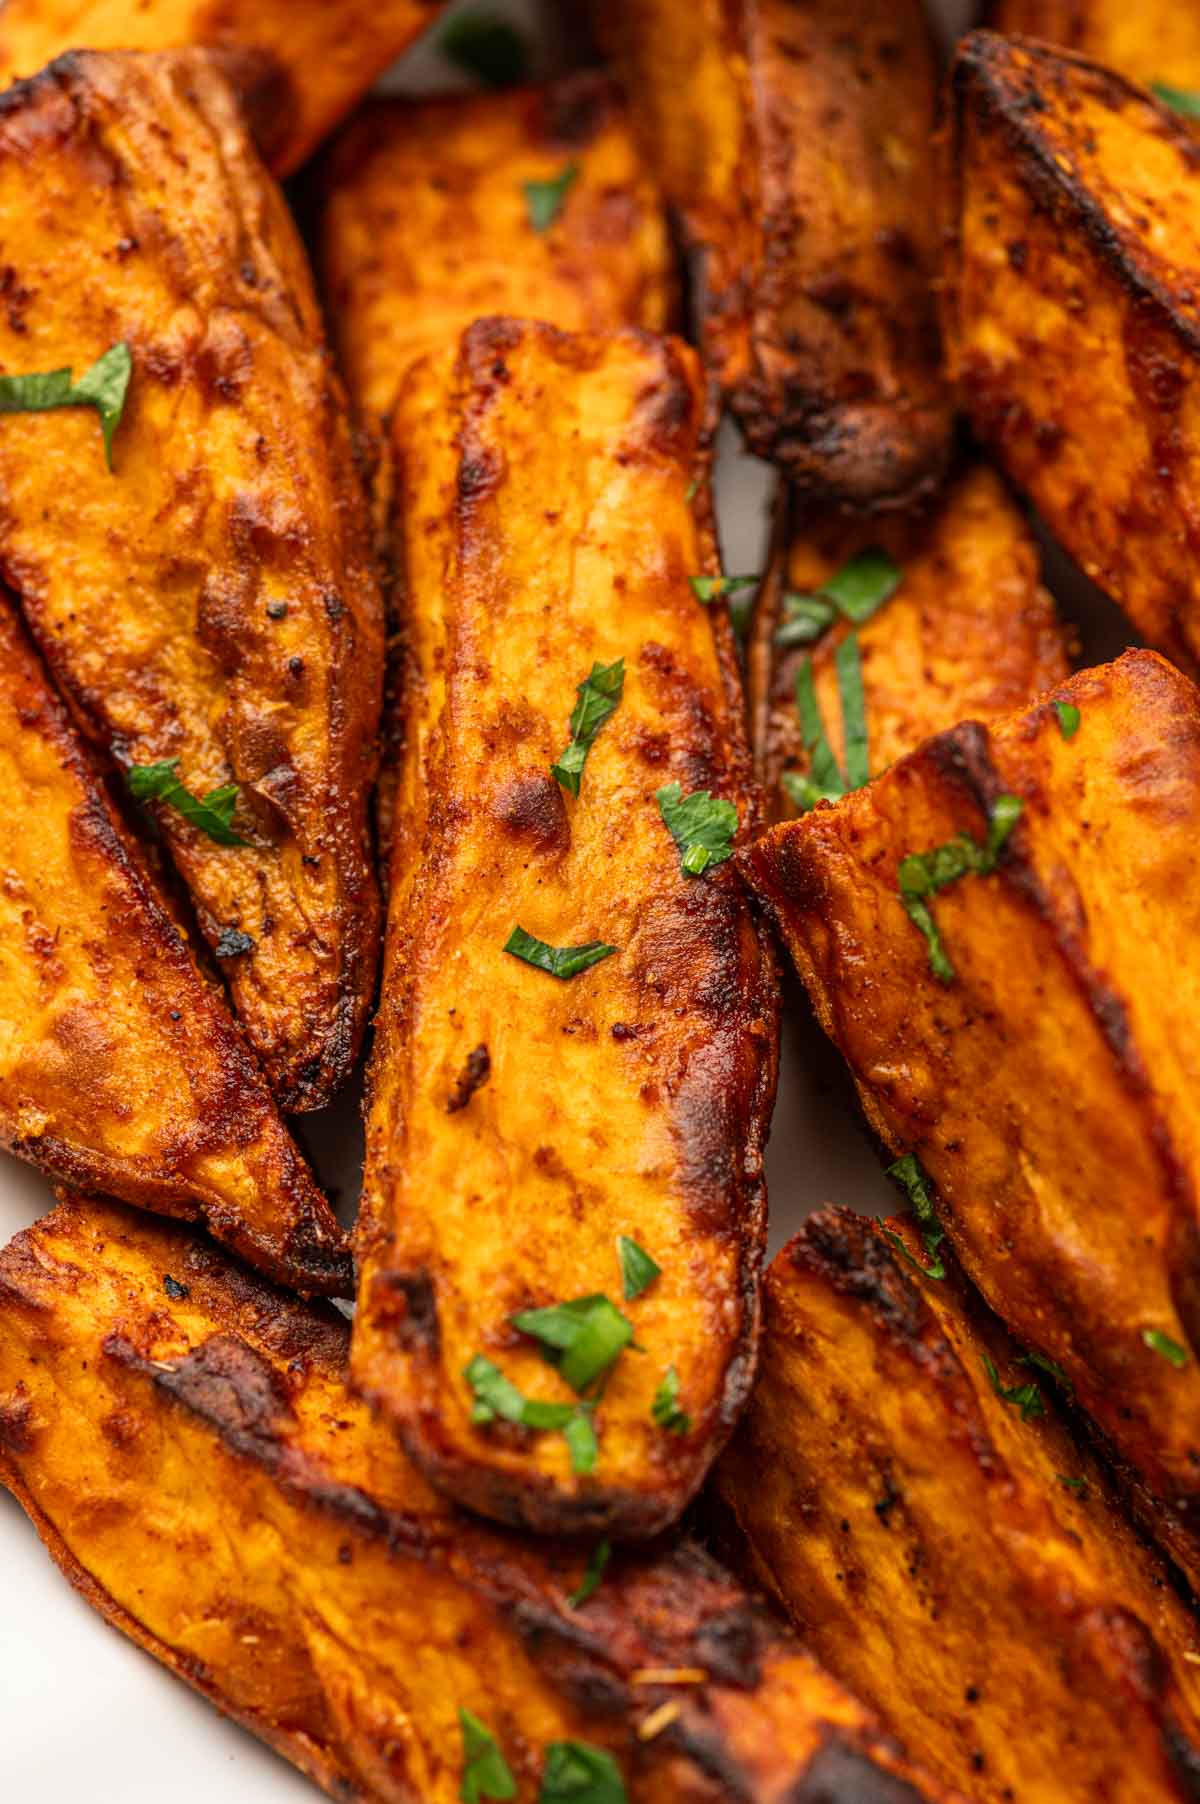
(120, 1069)
(1154, 41)
(519, 1124)
(427, 225)
(183, 1439)
(211, 598)
(950, 1552)
(1046, 1080)
(1072, 314)
(969, 633)
(330, 52)
(793, 143)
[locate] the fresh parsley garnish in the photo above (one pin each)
(575, 1773)
(560, 961)
(213, 813)
(1181, 100)
(1025, 1397)
(497, 1396)
(544, 201)
(638, 1270)
(856, 591)
(737, 590)
(588, 1335)
(590, 1582)
(824, 781)
(665, 1407)
(1071, 1484)
(487, 46)
(1068, 719)
(907, 1171)
(582, 1445)
(923, 874)
(103, 386)
(1168, 1349)
(598, 696)
(1050, 1366)
(701, 825)
(486, 1773)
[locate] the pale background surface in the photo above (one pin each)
(84, 1715)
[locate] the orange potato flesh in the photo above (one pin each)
(544, 523)
(963, 1566)
(1154, 41)
(213, 597)
(183, 1440)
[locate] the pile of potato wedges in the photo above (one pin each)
(373, 695)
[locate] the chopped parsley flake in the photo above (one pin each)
(1068, 719)
(665, 1408)
(597, 698)
(907, 1171)
(544, 201)
(701, 825)
(824, 781)
(923, 874)
(486, 46)
(856, 591)
(638, 1270)
(486, 1773)
(588, 1335)
(104, 386)
(590, 1582)
(560, 961)
(212, 814)
(1168, 1349)
(1180, 100)
(1025, 1397)
(575, 1773)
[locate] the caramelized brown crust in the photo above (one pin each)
(182, 1437)
(1049, 1089)
(1072, 314)
(211, 599)
(1154, 41)
(326, 53)
(426, 225)
(969, 634)
(120, 1069)
(793, 141)
(964, 1567)
(544, 523)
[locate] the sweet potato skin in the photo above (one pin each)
(970, 633)
(920, 1534)
(1071, 314)
(425, 225)
(214, 597)
(544, 525)
(182, 1437)
(1151, 42)
(792, 140)
(329, 53)
(1057, 1065)
(120, 1069)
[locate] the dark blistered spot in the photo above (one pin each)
(664, 409)
(623, 1030)
(531, 806)
(233, 943)
(178, 1292)
(474, 1073)
(477, 476)
(404, 1305)
(841, 1774)
(122, 1429)
(727, 1646)
(277, 610)
(335, 607)
(1017, 252)
(16, 1422)
(578, 108)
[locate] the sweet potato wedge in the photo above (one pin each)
(120, 1069)
(908, 1489)
(1038, 1055)
(1153, 42)
(212, 597)
(428, 224)
(328, 53)
(183, 1440)
(969, 633)
(793, 143)
(1072, 314)
(518, 1124)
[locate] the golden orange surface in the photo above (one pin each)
(1154, 41)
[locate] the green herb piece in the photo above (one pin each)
(1025, 1397)
(738, 590)
(1050, 1366)
(1167, 1348)
(824, 780)
(907, 1171)
(665, 1407)
(1068, 719)
(598, 696)
(923, 874)
(559, 961)
(575, 1773)
(1182, 100)
(495, 1395)
(485, 45)
(544, 201)
(856, 591)
(638, 1270)
(805, 618)
(701, 825)
(103, 387)
(848, 665)
(590, 1582)
(213, 813)
(486, 1773)
(580, 1436)
(589, 1335)
(692, 488)
(1071, 1484)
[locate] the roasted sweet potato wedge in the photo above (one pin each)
(1022, 1015)
(327, 53)
(967, 632)
(523, 1119)
(531, 202)
(183, 1439)
(1155, 41)
(906, 1486)
(211, 598)
(793, 142)
(120, 1069)
(1072, 314)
